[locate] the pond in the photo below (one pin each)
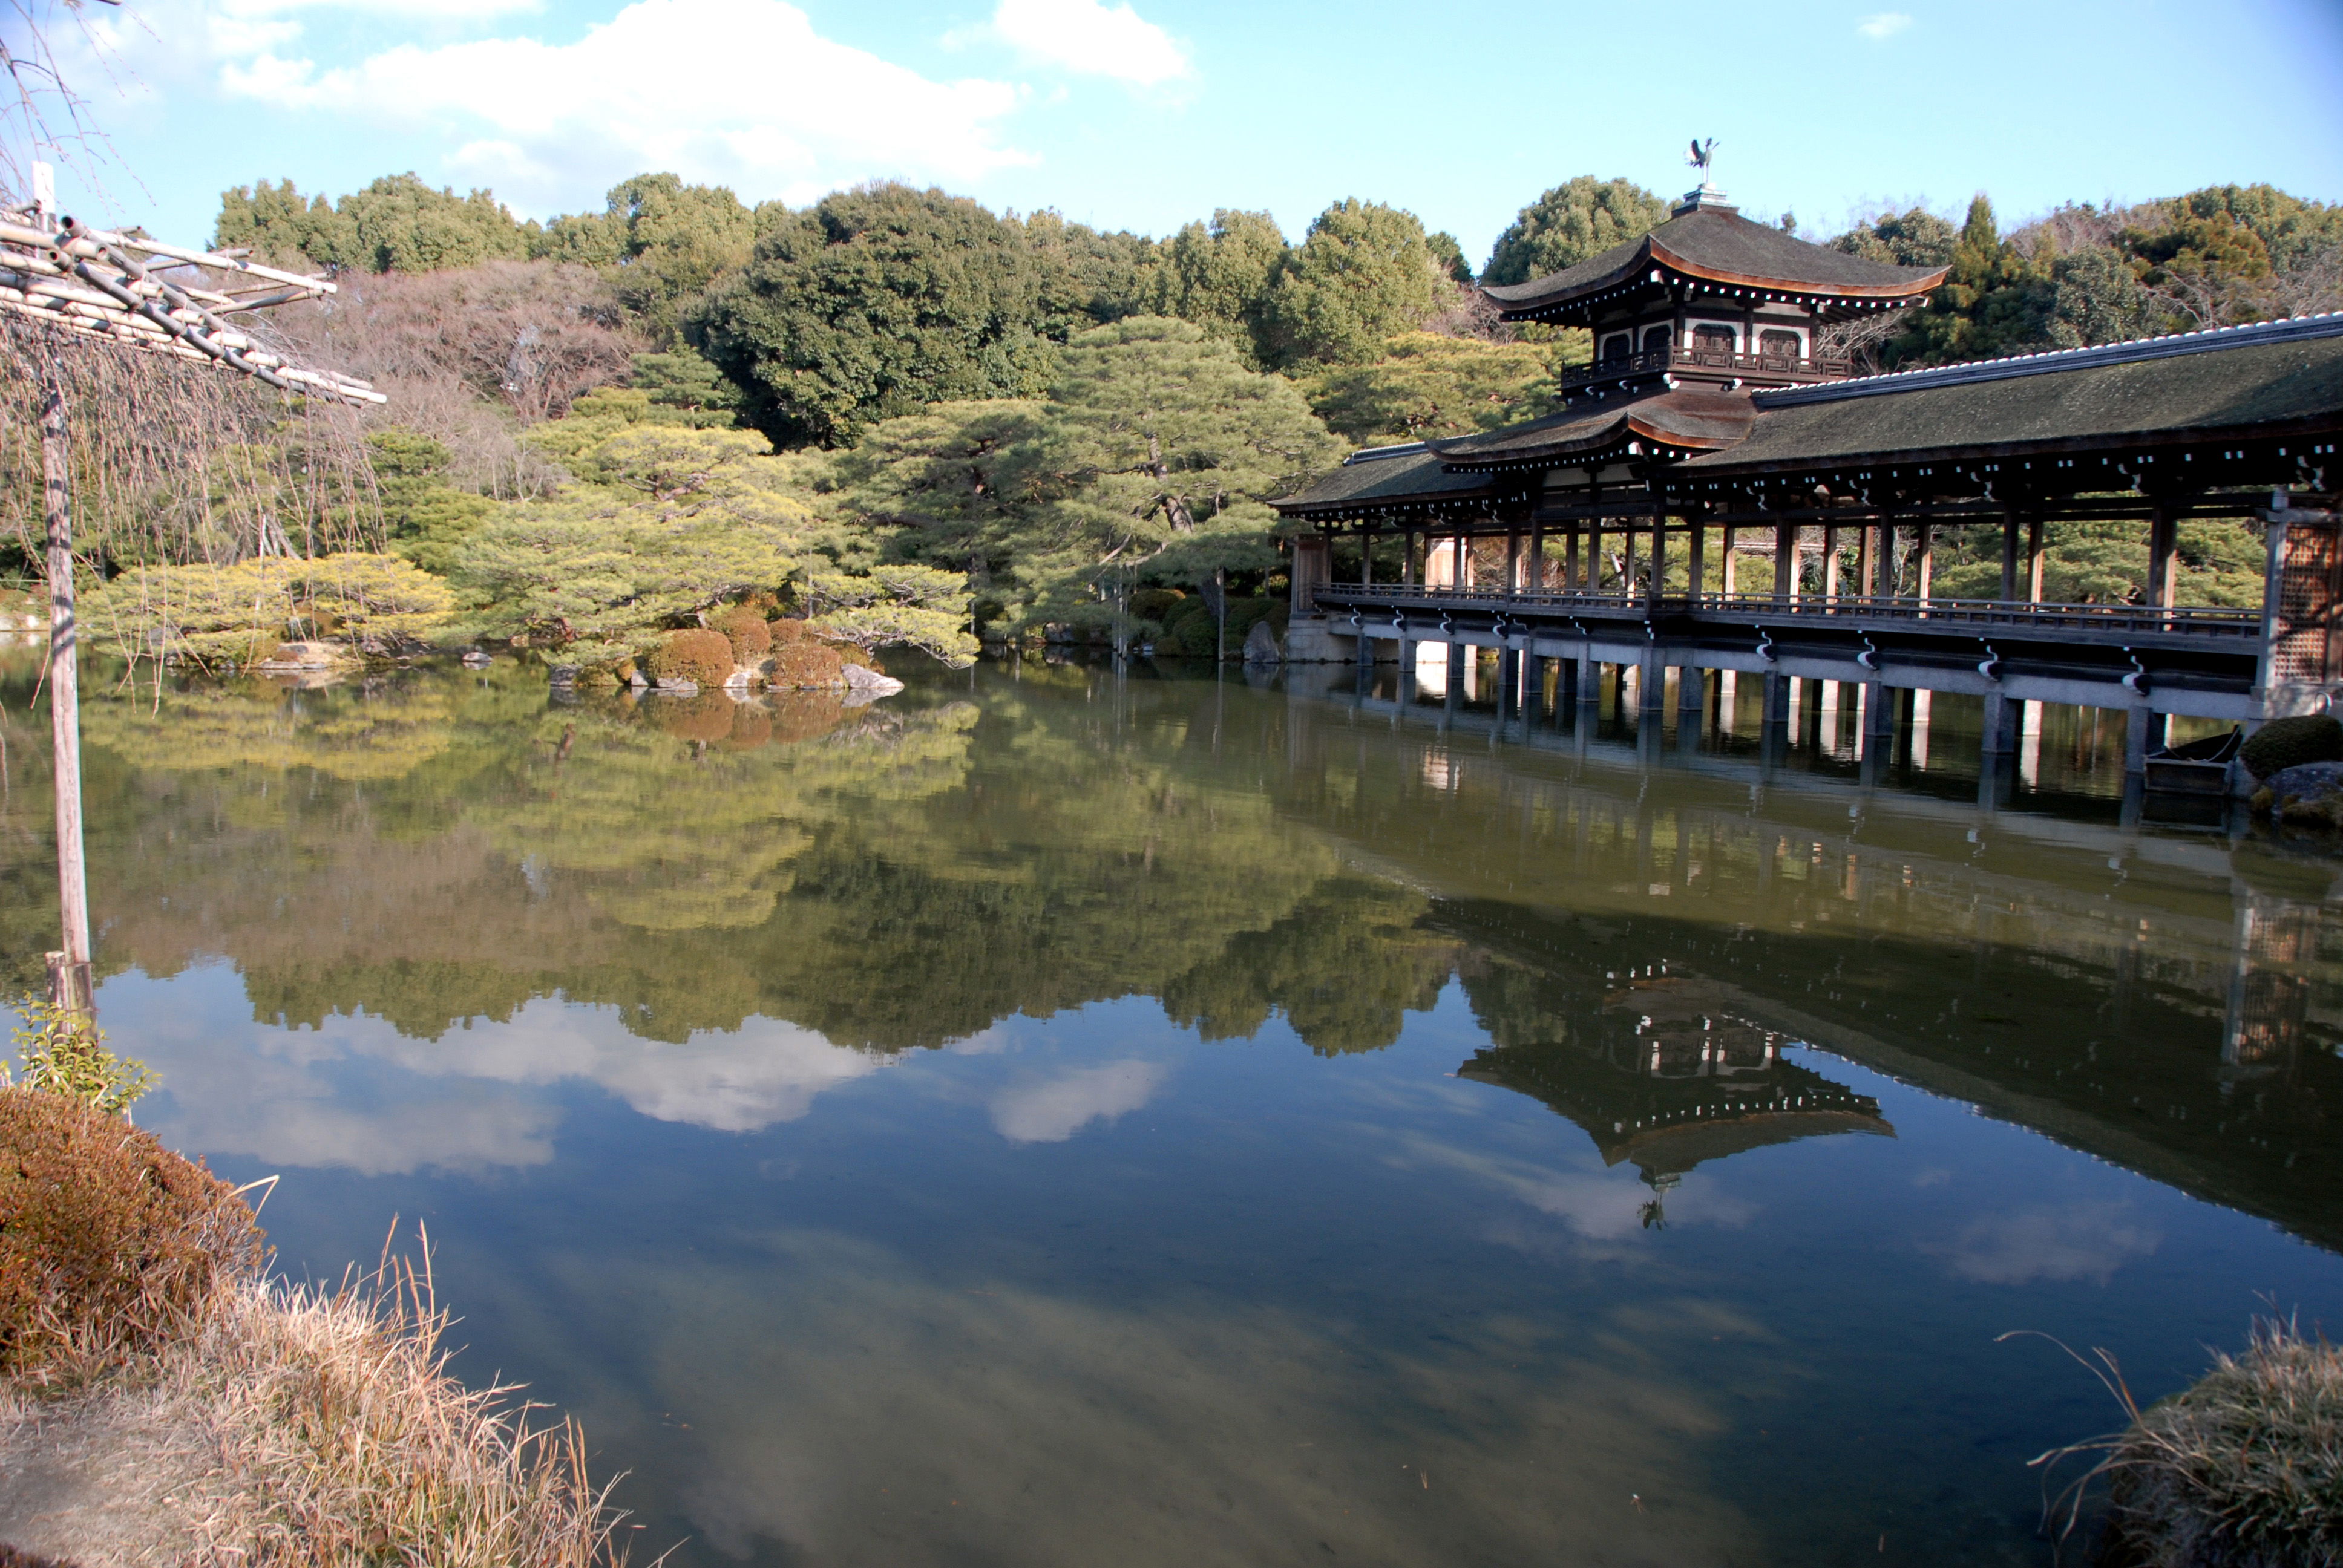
(1057, 1117)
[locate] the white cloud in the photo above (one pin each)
(2081, 1241)
(1882, 25)
(1087, 36)
(468, 10)
(355, 1092)
(1054, 1112)
(774, 108)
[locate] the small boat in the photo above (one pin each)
(2199, 767)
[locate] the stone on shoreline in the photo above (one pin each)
(2307, 792)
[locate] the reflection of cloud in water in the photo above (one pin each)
(1052, 1111)
(847, 1403)
(475, 1097)
(2080, 1241)
(1599, 1206)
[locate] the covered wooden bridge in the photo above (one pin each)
(1616, 533)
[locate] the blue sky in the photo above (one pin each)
(1147, 114)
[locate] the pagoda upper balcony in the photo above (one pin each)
(1708, 364)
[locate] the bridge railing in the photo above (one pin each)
(2201, 620)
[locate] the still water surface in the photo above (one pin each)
(1057, 1119)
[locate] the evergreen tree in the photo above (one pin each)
(1363, 275)
(397, 224)
(663, 242)
(1572, 222)
(872, 303)
(1427, 385)
(1219, 274)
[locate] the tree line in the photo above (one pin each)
(612, 423)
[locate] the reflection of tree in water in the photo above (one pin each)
(1657, 1073)
(448, 847)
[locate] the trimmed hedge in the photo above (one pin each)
(803, 660)
(109, 1242)
(747, 631)
(2283, 743)
(701, 657)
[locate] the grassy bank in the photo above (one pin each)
(163, 1400)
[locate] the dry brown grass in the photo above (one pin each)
(340, 1438)
(302, 1425)
(2243, 1469)
(163, 1402)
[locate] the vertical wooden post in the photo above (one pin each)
(1830, 565)
(2009, 553)
(1659, 563)
(1366, 557)
(1513, 559)
(1924, 547)
(2162, 529)
(1407, 558)
(1786, 560)
(1537, 557)
(1725, 584)
(1866, 561)
(1571, 580)
(1695, 567)
(2033, 560)
(70, 986)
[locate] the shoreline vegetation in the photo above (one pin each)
(897, 418)
(2241, 1469)
(163, 1400)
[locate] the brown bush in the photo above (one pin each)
(707, 717)
(747, 631)
(805, 716)
(752, 727)
(703, 657)
(109, 1242)
(801, 660)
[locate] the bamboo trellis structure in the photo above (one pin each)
(128, 289)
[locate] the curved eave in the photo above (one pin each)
(1636, 440)
(1909, 290)
(1628, 280)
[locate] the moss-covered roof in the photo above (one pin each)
(1662, 420)
(1718, 245)
(1386, 478)
(2268, 378)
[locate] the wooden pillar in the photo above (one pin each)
(1659, 584)
(1695, 567)
(1830, 565)
(1572, 582)
(1786, 561)
(1925, 549)
(1724, 566)
(1407, 558)
(2033, 560)
(71, 988)
(1594, 556)
(2163, 531)
(1537, 556)
(2008, 554)
(1513, 559)
(1866, 561)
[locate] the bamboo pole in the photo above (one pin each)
(70, 987)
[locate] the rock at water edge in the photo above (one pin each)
(1261, 646)
(861, 679)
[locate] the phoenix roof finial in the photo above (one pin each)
(1703, 155)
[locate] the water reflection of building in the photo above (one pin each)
(1667, 1079)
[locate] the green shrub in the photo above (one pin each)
(1156, 604)
(703, 657)
(109, 1242)
(745, 629)
(2283, 743)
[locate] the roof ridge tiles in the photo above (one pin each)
(2051, 361)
